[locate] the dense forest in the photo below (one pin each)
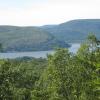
(74, 31)
(28, 39)
(62, 76)
(47, 37)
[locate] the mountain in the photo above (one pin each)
(75, 30)
(15, 38)
(47, 37)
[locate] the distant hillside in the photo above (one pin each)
(27, 39)
(49, 36)
(75, 30)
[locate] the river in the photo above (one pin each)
(36, 54)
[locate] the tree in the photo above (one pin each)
(66, 78)
(90, 53)
(70, 77)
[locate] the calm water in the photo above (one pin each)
(36, 54)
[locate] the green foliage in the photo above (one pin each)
(17, 78)
(62, 76)
(70, 77)
(27, 39)
(74, 31)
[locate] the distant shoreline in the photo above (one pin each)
(35, 54)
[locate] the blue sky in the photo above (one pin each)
(42, 12)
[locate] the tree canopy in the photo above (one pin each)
(62, 76)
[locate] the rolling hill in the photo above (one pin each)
(27, 39)
(47, 37)
(75, 30)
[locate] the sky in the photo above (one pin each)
(43, 12)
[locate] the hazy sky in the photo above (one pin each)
(41, 12)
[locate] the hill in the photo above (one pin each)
(47, 37)
(15, 38)
(74, 30)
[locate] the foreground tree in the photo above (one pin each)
(17, 78)
(69, 77)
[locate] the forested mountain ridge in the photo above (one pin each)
(15, 38)
(47, 37)
(74, 30)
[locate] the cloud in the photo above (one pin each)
(50, 12)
